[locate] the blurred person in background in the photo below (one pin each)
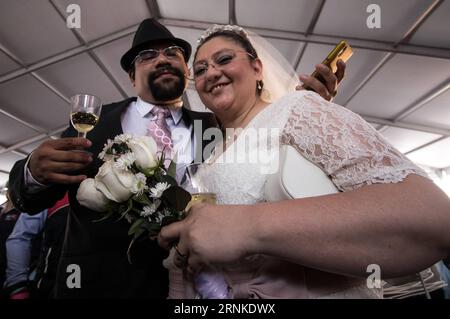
(8, 219)
(33, 250)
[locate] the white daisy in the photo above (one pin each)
(140, 184)
(149, 210)
(102, 155)
(123, 138)
(160, 216)
(129, 218)
(125, 161)
(159, 188)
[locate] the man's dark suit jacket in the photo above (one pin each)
(100, 248)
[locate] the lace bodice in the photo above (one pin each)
(341, 143)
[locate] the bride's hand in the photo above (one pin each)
(210, 234)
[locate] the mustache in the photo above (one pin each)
(164, 69)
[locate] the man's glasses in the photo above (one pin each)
(146, 56)
(219, 61)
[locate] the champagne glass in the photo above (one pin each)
(195, 185)
(210, 283)
(84, 112)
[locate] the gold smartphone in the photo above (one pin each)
(342, 51)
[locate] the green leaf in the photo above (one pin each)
(172, 170)
(152, 227)
(138, 235)
(159, 174)
(129, 207)
(160, 163)
(135, 226)
(148, 172)
(176, 198)
(142, 199)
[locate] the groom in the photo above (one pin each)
(94, 261)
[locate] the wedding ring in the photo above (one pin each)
(178, 252)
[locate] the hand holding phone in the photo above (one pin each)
(342, 51)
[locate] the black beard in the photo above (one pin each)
(170, 90)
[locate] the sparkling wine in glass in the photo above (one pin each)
(194, 185)
(84, 112)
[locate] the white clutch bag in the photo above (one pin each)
(297, 178)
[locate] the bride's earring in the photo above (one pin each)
(263, 93)
(259, 85)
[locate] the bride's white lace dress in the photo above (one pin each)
(348, 149)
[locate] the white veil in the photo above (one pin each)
(279, 76)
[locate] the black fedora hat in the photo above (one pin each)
(150, 31)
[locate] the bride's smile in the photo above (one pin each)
(226, 78)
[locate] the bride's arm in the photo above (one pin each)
(388, 214)
(402, 227)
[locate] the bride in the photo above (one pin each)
(387, 212)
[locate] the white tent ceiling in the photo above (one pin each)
(398, 78)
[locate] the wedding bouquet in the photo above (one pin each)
(133, 183)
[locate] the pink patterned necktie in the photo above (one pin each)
(159, 130)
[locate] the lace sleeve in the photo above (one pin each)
(343, 145)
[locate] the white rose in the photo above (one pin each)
(114, 183)
(144, 149)
(90, 197)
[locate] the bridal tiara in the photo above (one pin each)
(219, 28)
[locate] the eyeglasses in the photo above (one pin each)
(219, 61)
(146, 56)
